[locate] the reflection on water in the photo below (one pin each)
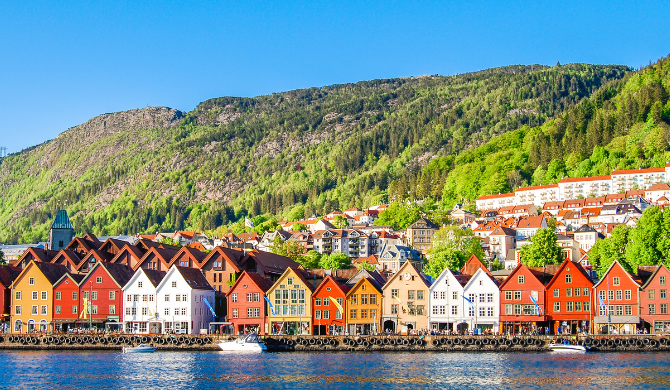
(203, 370)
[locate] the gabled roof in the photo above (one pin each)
(62, 221)
(530, 222)
(120, 273)
(113, 242)
(8, 275)
(565, 264)
(296, 272)
(194, 277)
(426, 221)
(344, 289)
(375, 277)
(403, 269)
(51, 271)
(77, 279)
(69, 256)
(586, 229)
(197, 256)
(232, 256)
(134, 251)
(44, 255)
(647, 274)
(472, 265)
(516, 270)
(270, 262)
(86, 245)
(362, 280)
(485, 275)
(503, 231)
(659, 187)
(154, 276)
(258, 280)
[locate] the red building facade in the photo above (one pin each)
(654, 300)
(522, 302)
(616, 302)
(102, 288)
(326, 318)
(67, 303)
(569, 299)
(247, 308)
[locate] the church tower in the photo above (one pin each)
(61, 232)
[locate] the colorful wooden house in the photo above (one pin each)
(654, 299)
(616, 302)
(102, 289)
(445, 302)
(184, 302)
(221, 269)
(291, 298)
(32, 297)
(405, 300)
(363, 303)
(140, 309)
(247, 308)
(523, 300)
(569, 299)
(327, 318)
(7, 276)
(68, 303)
(481, 309)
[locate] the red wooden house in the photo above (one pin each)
(36, 254)
(569, 299)
(616, 302)
(325, 318)
(69, 259)
(523, 300)
(7, 276)
(247, 308)
(654, 298)
(67, 303)
(129, 255)
(156, 259)
(221, 268)
(188, 257)
(102, 287)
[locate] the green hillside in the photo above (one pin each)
(313, 150)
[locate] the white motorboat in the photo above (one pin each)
(140, 348)
(567, 348)
(246, 343)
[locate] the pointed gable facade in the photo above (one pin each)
(445, 296)
(364, 282)
(291, 297)
(481, 310)
(654, 301)
(523, 301)
(139, 302)
(405, 300)
(619, 311)
(326, 318)
(183, 300)
(247, 308)
(569, 299)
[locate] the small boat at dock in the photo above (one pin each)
(247, 343)
(567, 347)
(142, 348)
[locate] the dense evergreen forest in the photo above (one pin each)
(442, 139)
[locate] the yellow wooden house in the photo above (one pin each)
(291, 298)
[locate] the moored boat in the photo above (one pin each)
(247, 343)
(140, 348)
(567, 348)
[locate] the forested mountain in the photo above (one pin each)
(313, 150)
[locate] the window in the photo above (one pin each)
(98, 279)
(183, 311)
(74, 309)
(664, 308)
(454, 295)
(17, 295)
(17, 310)
(257, 297)
(629, 310)
(167, 311)
(151, 297)
(136, 297)
(250, 312)
(176, 311)
(454, 310)
(557, 307)
(568, 306)
(354, 299)
(364, 313)
(568, 292)
(394, 309)
(94, 296)
(57, 309)
(326, 302)
(568, 278)
(139, 284)
(410, 294)
(652, 294)
(616, 281)
(482, 298)
(578, 306)
(167, 297)
(419, 310)
(619, 310)
(31, 281)
(58, 295)
(112, 309)
(144, 311)
(250, 297)
(235, 313)
(652, 308)
(521, 279)
(489, 298)
(619, 295)
(443, 310)
(443, 295)
(129, 297)
(145, 297)
(518, 309)
(482, 311)
(435, 294)
(364, 299)
(661, 280)
(174, 285)
(34, 295)
(43, 310)
(610, 295)
(419, 295)
(289, 281)
(664, 294)
(578, 291)
(94, 309)
(338, 315)
(232, 298)
(557, 294)
(112, 295)
(317, 301)
(585, 292)
(508, 309)
(184, 298)
(352, 313)
(508, 295)
(586, 306)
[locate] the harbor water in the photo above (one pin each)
(344, 370)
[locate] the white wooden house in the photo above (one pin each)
(185, 301)
(482, 314)
(445, 302)
(139, 302)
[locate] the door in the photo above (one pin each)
(155, 328)
(462, 328)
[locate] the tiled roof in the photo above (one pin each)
(640, 170)
(537, 187)
(507, 195)
(530, 222)
(578, 179)
(659, 187)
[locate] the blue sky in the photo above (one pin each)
(63, 63)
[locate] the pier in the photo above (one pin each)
(279, 343)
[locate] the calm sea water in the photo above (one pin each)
(205, 370)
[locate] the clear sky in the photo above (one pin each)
(62, 63)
